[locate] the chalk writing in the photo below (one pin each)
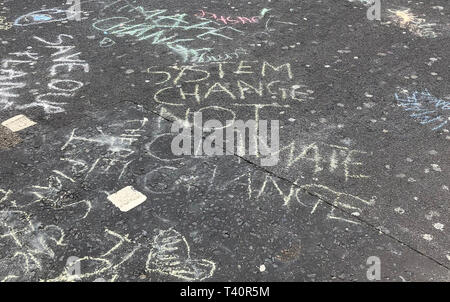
(309, 196)
(316, 197)
(320, 158)
(160, 28)
(187, 87)
(229, 19)
(206, 55)
(234, 90)
(118, 149)
(114, 161)
(14, 75)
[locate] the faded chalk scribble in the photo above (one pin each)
(425, 108)
(171, 255)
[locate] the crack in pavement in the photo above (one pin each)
(363, 221)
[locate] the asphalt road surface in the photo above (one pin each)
(91, 189)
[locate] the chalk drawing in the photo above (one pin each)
(4, 195)
(425, 108)
(171, 255)
(28, 243)
(404, 18)
(42, 16)
(160, 180)
(107, 42)
(105, 264)
(54, 194)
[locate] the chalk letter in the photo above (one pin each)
(287, 65)
(222, 88)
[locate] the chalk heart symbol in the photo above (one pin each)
(107, 42)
